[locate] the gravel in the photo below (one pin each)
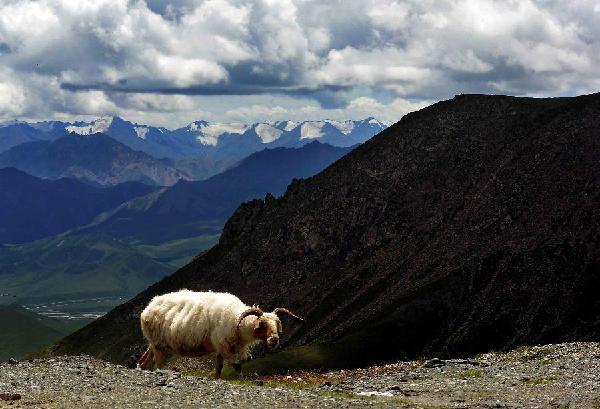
(84, 382)
(551, 376)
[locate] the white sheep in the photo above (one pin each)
(193, 324)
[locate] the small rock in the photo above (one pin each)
(9, 396)
(434, 363)
(376, 393)
(13, 361)
(166, 372)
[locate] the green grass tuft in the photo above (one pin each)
(470, 373)
(539, 381)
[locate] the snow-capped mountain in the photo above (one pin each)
(234, 140)
(216, 141)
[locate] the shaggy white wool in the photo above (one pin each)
(192, 323)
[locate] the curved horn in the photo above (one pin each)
(279, 311)
(250, 311)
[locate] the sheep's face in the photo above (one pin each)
(267, 329)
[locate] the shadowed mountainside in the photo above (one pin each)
(469, 225)
(32, 208)
(203, 207)
(17, 133)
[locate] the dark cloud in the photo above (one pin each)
(4, 48)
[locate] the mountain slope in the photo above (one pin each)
(470, 225)
(31, 208)
(73, 266)
(16, 134)
(202, 207)
(95, 158)
(26, 331)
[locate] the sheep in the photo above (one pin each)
(193, 324)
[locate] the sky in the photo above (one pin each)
(172, 62)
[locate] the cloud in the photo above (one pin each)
(156, 58)
(358, 108)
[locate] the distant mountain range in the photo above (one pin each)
(95, 158)
(202, 207)
(125, 249)
(32, 208)
(215, 141)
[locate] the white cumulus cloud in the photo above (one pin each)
(168, 61)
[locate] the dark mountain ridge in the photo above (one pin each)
(203, 207)
(470, 225)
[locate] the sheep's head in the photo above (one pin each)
(268, 325)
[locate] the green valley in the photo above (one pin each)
(82, 265)
(24, 331)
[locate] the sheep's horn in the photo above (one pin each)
(250, 311)
(278, 311)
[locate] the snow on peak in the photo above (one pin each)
(209, 133)
(284, 125)
(141, 131)
(344, 127)
(99, 125)
(373, 121)
(311, 130)
(195, 126)
(267, 132)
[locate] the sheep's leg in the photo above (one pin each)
(146, 359)
(238, 369)
(159, 358)
(142, 359)
(219, 365)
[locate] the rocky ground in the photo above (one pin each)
(550, 376)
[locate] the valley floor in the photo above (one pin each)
(550, 376)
